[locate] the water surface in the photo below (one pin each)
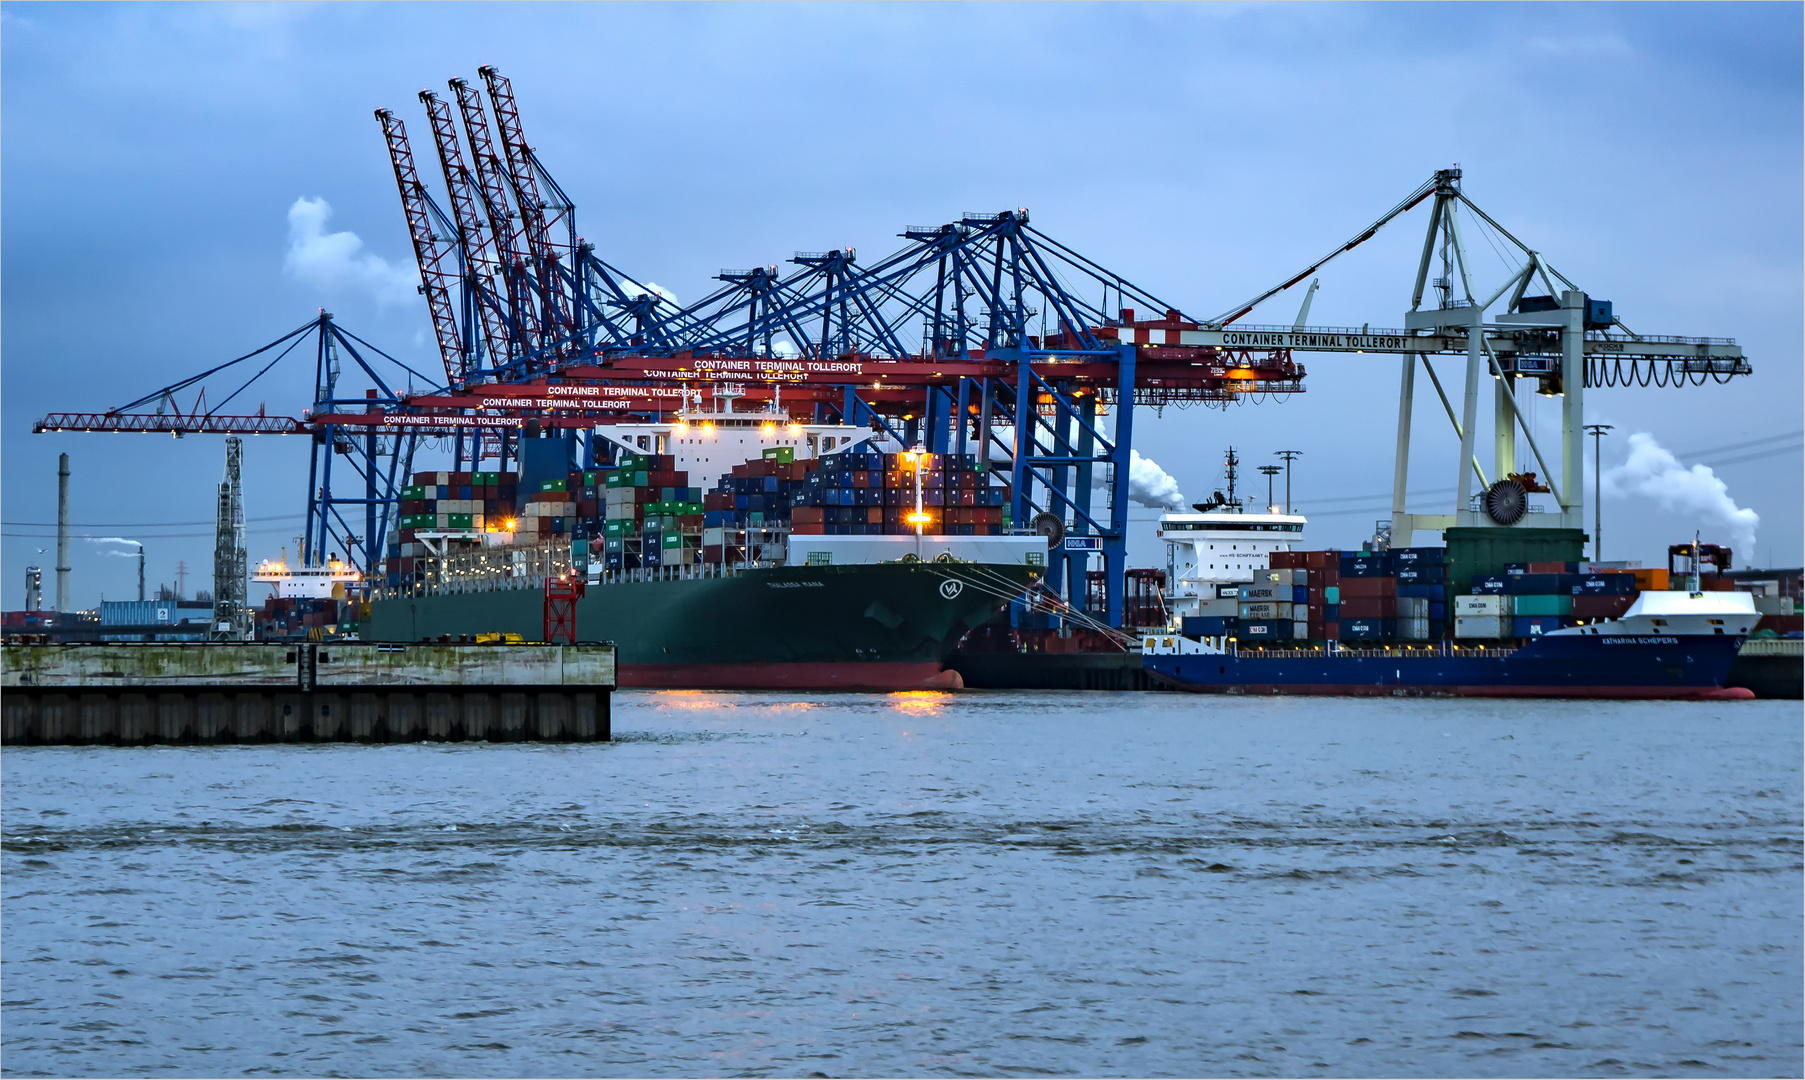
(927, 884)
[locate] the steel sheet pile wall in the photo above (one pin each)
(145, 694)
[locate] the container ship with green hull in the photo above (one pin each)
(882, 626)
(718, 549)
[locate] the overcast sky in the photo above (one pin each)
(150, 157)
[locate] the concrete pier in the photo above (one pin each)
(139, 695)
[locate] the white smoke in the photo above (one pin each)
(114, 540)
(1653, 471)
(337, 261)
(1148, 484)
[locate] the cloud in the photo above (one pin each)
(337, 262)
(1651, 470)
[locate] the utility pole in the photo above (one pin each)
(1270, 471)
(1597, 431)
(62, 532)
(1289, 456)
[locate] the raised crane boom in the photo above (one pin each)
(521, 167)
(492, 184)
(429, 252)
(480, 263)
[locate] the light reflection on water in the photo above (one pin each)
(927, 884)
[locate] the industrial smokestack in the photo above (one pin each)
(62, 532)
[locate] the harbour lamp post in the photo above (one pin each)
(1270, 471)
(1597, 431)
(1289, 456)
(915, 458)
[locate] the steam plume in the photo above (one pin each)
(1148, 484)
(1653, 471)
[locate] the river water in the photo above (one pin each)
(927, 884)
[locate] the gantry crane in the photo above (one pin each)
(982, 335)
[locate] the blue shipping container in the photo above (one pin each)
(1368, 629)
(1419, 556)
(1207, 625)
(1524, 626)
(1300, 594)
(1490, 584)
(1604, 584)
(1265, 631)
(1421, 574)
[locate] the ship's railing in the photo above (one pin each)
(524, 567)
(1402, 650)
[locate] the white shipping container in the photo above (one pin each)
(1300, 576)
(1257, 593)
(714, 537)
(1300, 631)
(1413, 607)
(1272, 577)
(1413, 629)
(1266, 611)
(1217, 606)
(1481, 627)
(1482, 605)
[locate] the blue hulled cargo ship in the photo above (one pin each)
(1668, 645)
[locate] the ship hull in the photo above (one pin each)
(1677, 667)
(888, 626)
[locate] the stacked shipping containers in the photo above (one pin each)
(1530, 599)
(446, 501)
(868, 494)
(748, 513)
(651, 516)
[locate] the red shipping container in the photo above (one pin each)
(806, 515)
(1367, 586)
(588, 508)
(1286, 560)
(1369, 607)
(968, 497)
(806, 528)
(1601, 607)
(874, 515)
(1547, 567)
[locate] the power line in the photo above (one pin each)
(136, 524)
(160, 536)
(1743, 445)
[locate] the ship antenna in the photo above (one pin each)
(1232, 463)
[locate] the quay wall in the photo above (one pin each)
(137, 695)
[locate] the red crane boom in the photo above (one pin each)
(435, 280)
(480, 261)
(491, 179)
(532, 207)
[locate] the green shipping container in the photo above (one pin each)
(553, 485)
(784, 454)
(617, 479)
(1542, 605)
(672, 540)
(459, 521)
(615, 528)
(413, 493)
